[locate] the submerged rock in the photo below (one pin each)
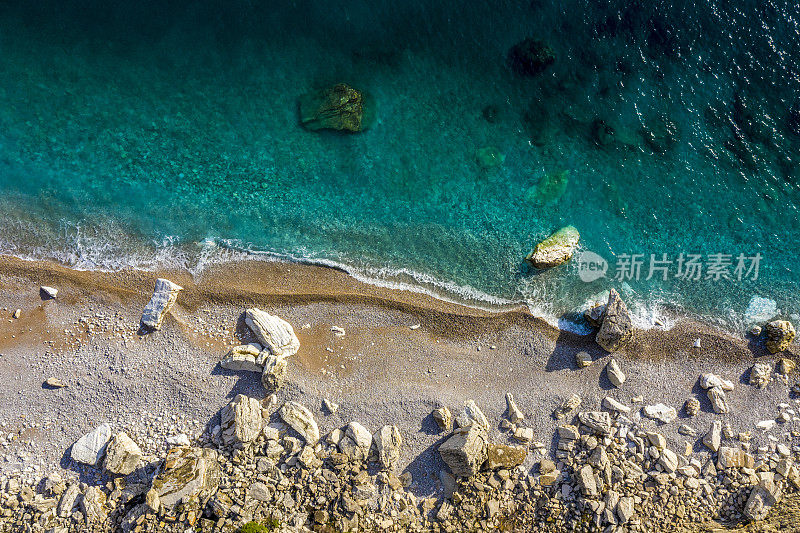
(530, 57)
(489, 157)
(340, 107)
(164, 296)
(616, 329)
(556, 249)
(780, 334)
(549, 190)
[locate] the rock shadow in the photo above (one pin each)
(567, 346)
(425, 468)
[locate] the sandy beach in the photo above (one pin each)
(402, 355)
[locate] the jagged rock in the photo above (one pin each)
(465, 451)
(67, 501)
(330, 406)
(272, 332)
(274, 373)
(530, 57)
(152, 500)
(122, 455)
(660, 412)
(92, 505)
(587, 482)
(340, 107)
(356, 442)
(600, 421)
(713, 439)
(569, 405)
(387, 443)
(443, 418)
(504, 456)
(48, 292)
(556, 249)
(719, 401)
(616, 329)
(762, 498)
(692, 406)
(301, 420)
(240, 421)
(523, 435)
(786, 366)
(514, 414)
(614, 373)
(668, 461)
(472, 415)
(164, 296)
(613, 405)
(760, 374)
(90, 448)
(189, 474)
(657, 439)
(242, 358)
(259, 492)
(55, 383)
(594, 315)
(625, 509)
(780, 334)
(709, 380)
(734, 458)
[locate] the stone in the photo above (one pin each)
(92, 504)
(122, 455)
(568, 432)
(274, 374)
(587, 482)
(473, 413)
(625, 509)
(181, 439)
(189, 474)
(728, 457)
(330, 406)
(555, 250)
(164, 296)
(780, 334)
(152, 500)
(465, 451)
(599, 421)
(443, 418)
(761, 501)
(594, 315)
(272, 332)
(90, 448)
(719, 401)
(16, 314)
(530, 57)
(616, 330)
(489, 157)
(514, 414)
(713, 439)
(339, 107)
(549, 189)
(67, 501)
(583, 359)
(668, 460)
(760, 374)
(504, 456)
(49, 293)
(549, 478)
(657, 439)
(692, 406)
(240, 421)
(569, 405)
(786, 366)
(301, 420)
(614, 373)
(242, 358)
(613, 405)
(660, 412)
(55, 383)
(709, 380)
(523, 435)
(260, 492)
(387, 443)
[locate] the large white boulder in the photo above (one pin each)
(164, 296)
(274, 333)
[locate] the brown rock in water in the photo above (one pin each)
(555, 250)
(780, 334)
(616, 329)
(337, 108)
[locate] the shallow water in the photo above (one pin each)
(145, 136)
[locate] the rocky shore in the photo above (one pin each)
(310, 402)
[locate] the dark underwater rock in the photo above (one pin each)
(337, 108)
(602, 133)
(793, 120)
(530, 57)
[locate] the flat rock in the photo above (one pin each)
(616, 329)
(556, 249)
(49, 293)
(301, 420)
(240, 421)
(600, 421)
(613, 405)
(709, 380)
(90, 448)
(615, 374)
(504, 456)
(164, 296)
(272, 332)
(465, 451)
(188, 473)
(728, 457)
(122, 455)
(242, 358)
(55, 383)
(660, 412)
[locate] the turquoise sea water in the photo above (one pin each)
(152, 136)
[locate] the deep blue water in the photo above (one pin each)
(144, 135)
